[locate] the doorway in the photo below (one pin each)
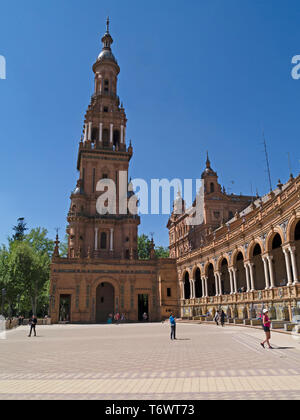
(143, 305)
(105, 302)
(65, 308)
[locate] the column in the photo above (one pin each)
(217, 285)
(85, 132)
(267, 280)
(234, 271)
(182, 290)
(205, 294)
(96, 239)
(122, 134)
(247, 277)
(271, 270)
(111, 133)
(100, 132)
(220, 283)
(203, 287)
(251, 265)
(111, 239)
(90, 131)
(192, 287)
(294, 264)
(288, 266)
(231, 281)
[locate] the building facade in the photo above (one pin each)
(102, 273)
(248, 260)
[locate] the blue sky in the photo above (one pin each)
(196, 75)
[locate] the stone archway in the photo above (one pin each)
(225, 278)
(105, 302)
(278, 262)
(198, 283)
(241, 273)
(211, 283)
(187, 286)
(297, 244)
(259, 274)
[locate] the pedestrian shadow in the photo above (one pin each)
(283, 348)
(183, 339)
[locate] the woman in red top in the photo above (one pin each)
(267, 326)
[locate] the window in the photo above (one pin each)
(169, 294)
(105, 137)
(106, 84)
(103, 240)
(212, 187)
(105, 109)
(104, 176)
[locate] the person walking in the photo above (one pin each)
(32, 323)
(173, 327)
(217, 318)
(222, 318)
(266, 326)
(145, 317)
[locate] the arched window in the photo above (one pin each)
(106, 86)
(212, 187)
(257, 250)
(277, 242)
(116, 138)
(103, 240)
(95, 134)
(297, 232)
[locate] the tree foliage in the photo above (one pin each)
(144, 248)
(25, 270)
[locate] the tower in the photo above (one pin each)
(103, 154)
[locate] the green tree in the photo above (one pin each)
(144, 248)
(19, 230)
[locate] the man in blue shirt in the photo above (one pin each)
(173, 327)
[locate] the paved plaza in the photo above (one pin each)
(139, 361)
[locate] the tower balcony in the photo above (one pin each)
(105, 95)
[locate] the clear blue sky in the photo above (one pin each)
(195, 75)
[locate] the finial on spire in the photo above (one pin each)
(207, 161)
(107, 25)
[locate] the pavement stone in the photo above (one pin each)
(140, 362)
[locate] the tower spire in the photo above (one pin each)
(207, 161)
(107, 25)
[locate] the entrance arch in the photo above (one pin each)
(211, 284)
(105, 302)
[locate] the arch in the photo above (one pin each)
(95, 134)
(252, 246)
(105, 301)
(220, 261)
(225, 277)
(206, 266)
(103, 240)
(211, 284)
(116, 138)
(258, 269)
(187, 286)
(241, 282)
(274, 233)
(212, 187)
(296, 237)
(292, 227)
(236, 253)
(198, 283)
(105, 137)
(278, 261)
